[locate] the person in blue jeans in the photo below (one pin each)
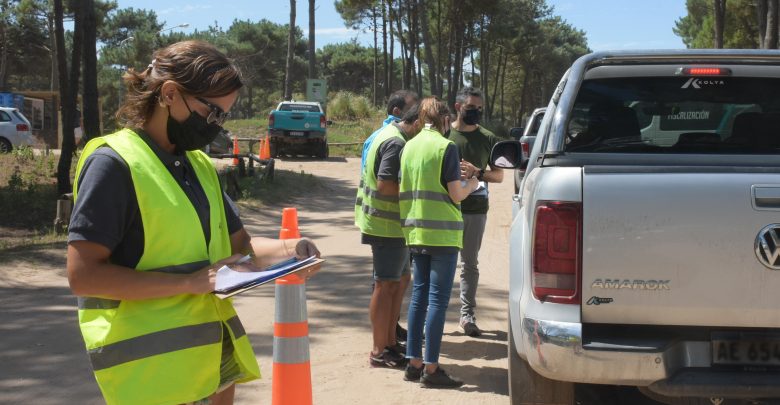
(430, 190)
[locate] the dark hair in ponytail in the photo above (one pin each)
(198, 68)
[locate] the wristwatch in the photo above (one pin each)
(480, 174)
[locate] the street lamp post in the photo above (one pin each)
(184, 25)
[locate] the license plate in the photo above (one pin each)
(297, 133)
(746, 349)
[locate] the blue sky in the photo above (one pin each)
(609, 24)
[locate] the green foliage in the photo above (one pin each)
(28, 192)
(740, 29)
(347, 67)
(348, 106)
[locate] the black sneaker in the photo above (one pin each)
(399, 348)
(470, 328)
(439, 379)
(388, 359)
(400, 333)
(413, 374)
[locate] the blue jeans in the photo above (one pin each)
(433, 277)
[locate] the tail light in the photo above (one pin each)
(526, 147)
(22, 127)
(271, 120)
(323, 122)
(556, 261)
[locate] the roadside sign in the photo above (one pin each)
(317, 90)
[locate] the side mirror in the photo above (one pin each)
(508, 155)
(516, 133)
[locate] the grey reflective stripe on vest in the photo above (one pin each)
(395, 216)
(290, 304)
(186, 268)
(425, 195)
(97, 303)
(375, 195)
(291, 350)
(155, 343)
(236, 326)
(359, 201)
(429, 224)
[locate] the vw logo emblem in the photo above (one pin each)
(768, 246)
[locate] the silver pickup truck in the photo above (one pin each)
(645, 248)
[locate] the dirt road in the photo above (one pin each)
(42, 360)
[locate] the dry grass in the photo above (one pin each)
(28, 199)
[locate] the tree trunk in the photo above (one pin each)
(523, 95)
(3, 45)
(376, 57)
(496, 80)
(55, 82)
(452, 55)
(761, 12)
(290, 49)
(66, 108)
(405, 79)
(91, 115)
(312, 49)
(484, 67)
(503, 80)
(384, 50)
(771, 24)
(391, 70)
(428, 48)
(411, 65)
(720, 11)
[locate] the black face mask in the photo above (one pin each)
(472, 116)
(194, 133)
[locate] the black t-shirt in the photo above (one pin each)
(106, 210)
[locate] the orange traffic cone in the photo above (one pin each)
(265, 153)
(291, 381)
(235, 151)
(289, 224)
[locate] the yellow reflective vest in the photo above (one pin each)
(428, 215)
(164, 350)
(377, 214)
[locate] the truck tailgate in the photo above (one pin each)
(297, 120)
(677, 246)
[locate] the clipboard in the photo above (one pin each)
(239, 282)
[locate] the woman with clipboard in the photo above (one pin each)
(149, 230)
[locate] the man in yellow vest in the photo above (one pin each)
(149, 229)
(378, 219)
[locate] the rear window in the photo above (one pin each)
(19, 116)
(299, 107)
(670, 115)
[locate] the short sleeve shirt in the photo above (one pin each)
(386, 167)
(107, 212)
(475, 147)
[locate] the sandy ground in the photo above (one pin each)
(42, 358)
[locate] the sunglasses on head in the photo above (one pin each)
(216, 114)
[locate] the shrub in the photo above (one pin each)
(348, 106)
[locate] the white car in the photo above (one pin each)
(15, 130)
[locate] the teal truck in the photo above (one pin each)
(298, 128)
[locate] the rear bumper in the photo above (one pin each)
(283, 136)
(682, 368)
